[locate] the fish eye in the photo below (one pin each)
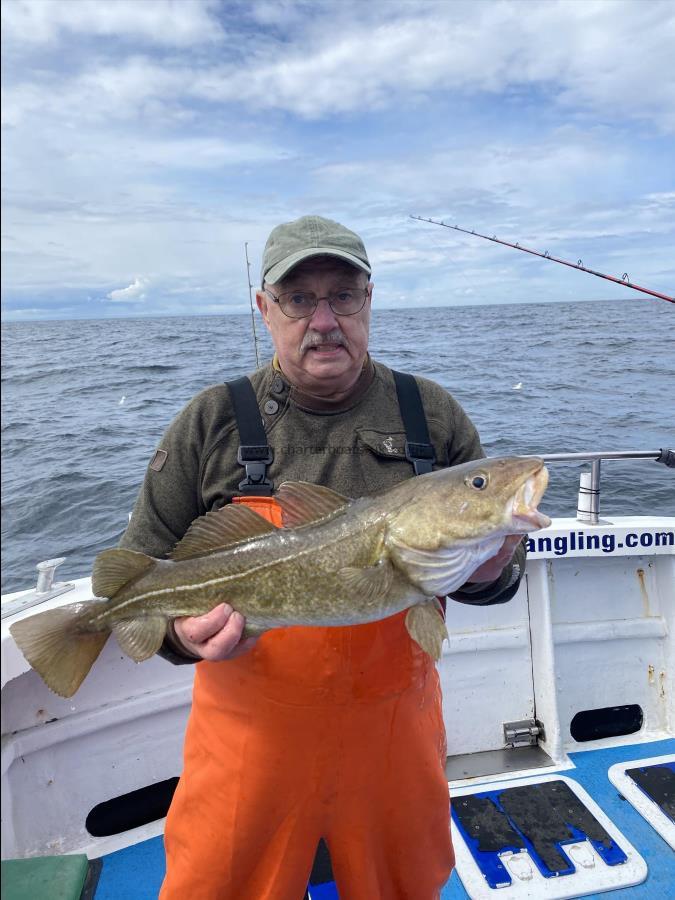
(479, 482)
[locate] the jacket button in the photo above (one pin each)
(271, 406)
(277, 385)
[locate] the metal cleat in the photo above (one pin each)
(45, 589)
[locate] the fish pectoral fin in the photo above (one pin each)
(426, 626)
(368, 582)
(115, 568)
(58, 647)
(219, 530)
(302, 503)
(140, 638)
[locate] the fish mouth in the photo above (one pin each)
(524, 512)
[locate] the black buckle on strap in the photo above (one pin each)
(255, 458)
(421, 456)
(254, 453)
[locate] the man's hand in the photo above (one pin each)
(493, 567)
(214, 636)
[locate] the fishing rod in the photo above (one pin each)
(546, 255)
(250, 298)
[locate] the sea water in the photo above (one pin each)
(84, 405)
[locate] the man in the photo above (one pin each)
(309, 733)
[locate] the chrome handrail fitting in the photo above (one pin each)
(588, 505)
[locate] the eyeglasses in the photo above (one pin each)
(301, 304)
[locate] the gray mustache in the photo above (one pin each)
(314, 339)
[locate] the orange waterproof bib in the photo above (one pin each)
(317, 732)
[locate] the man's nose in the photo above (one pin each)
(323, 318)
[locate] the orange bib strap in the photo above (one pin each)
(267, 507)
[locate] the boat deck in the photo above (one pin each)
(136, 872)
(581, 657)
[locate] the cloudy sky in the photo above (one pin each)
(145, 141)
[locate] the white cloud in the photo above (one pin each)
(568, 50)
(137, 290)
(583, 56)
(170, 22)
(137, 153)
(200, 153)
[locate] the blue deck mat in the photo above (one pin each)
(135, 873)
(591, 774)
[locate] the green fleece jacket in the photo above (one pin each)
(355, 447)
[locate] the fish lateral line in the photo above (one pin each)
(291, 556)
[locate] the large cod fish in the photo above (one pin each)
(335, 562)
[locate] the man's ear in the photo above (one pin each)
(262, 302)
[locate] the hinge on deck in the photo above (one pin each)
(526, 733)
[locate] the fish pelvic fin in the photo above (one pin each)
(140, 638)
(58, 647)
(113, 569)
(426, 626)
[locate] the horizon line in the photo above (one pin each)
(210, 315)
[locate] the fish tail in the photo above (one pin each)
(58, 647)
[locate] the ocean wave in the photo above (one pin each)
(153, 368)
(74, 457)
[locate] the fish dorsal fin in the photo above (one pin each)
(302, 503)
(140, 638)
(115, 568)
(220, 529)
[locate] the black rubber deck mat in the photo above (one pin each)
(487, 824)
(322, 870)
(658, 782)
(541, 819)
(544, 814)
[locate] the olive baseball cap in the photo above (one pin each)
(292, 242)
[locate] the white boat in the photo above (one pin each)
(568, 687)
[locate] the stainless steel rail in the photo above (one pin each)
(659, 455)
(591, 489)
